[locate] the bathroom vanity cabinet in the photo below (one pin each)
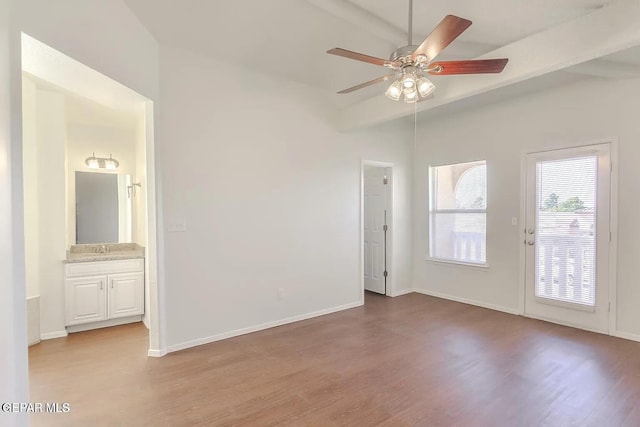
(104, 290)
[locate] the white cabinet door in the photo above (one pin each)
(126, 294)
(86, 299)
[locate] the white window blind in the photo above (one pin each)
(458, 212)
(565, 230)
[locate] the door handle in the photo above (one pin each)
(531, 231)
(530, 242)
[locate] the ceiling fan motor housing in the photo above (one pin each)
(404, 55)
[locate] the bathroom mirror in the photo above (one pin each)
(103, 208)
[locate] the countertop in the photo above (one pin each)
(106, 252)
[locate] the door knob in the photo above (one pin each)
(531, 242)
(531, 231)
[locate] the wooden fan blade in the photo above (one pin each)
(369, 83)
(479, 66)
(359, 56)
(447, 31)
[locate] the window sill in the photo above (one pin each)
(461, 264)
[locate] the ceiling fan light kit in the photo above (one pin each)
(410, 63)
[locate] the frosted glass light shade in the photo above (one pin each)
(425, 87)
(411, 95)
(409, 81)
(110, 164)
(92, 162)
(394, 91)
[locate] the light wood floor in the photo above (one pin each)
(411, 360)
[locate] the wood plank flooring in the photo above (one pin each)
(410, 360)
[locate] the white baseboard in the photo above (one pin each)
(561, 323)
(402, 292)
(145, 320)
(243, 331)
(157, 353)
(626, 335)
(467, 301)
(618, 334)
(104, 324)
(33, 320)
(52, 335)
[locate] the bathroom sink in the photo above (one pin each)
(106, 252)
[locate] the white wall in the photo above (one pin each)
(140, 177)
(586, 112)
(13, 331)
(139, 210)
(51, 136)
(270, 195)
(84, 139)
(30, 171)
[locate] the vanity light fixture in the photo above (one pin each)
(94, 162)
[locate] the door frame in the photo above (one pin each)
(389, 242)
(154, 250)
(613, 224)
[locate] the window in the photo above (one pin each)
(458, 213)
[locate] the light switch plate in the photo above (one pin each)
(514, 220)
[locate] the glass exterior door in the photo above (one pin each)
(567, 236)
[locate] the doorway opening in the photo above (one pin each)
(89, 199)
(568, 236)
(376, 227)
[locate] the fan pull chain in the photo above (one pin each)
(410, 35)
(415, 130)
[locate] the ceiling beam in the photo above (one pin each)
(384, 30)
(605, 31)
(606, 69)
(364, 19)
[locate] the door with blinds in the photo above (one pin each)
(567, 236)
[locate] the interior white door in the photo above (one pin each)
(376, 211)
(567, 236)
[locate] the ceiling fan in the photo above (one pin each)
(411, 62)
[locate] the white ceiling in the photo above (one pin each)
(289, 38)
(84, 111)
(91, 98)
(496, 22)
